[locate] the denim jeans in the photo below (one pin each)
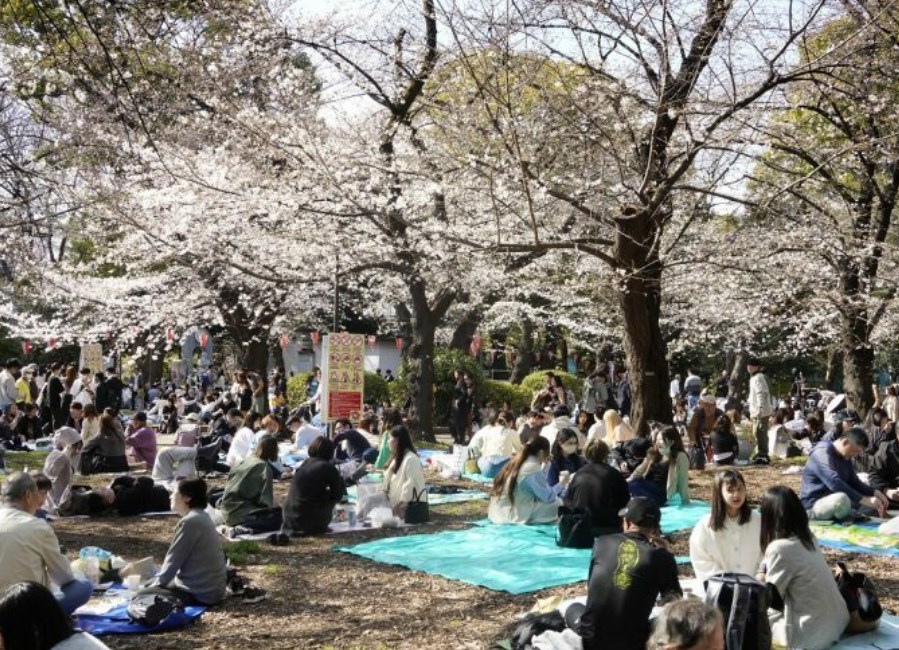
(74, 594)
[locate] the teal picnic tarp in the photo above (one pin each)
(436, 499)
(512, 558)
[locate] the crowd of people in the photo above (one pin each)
(561, 455)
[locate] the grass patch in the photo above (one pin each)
(17, 461)
(239, 553)
(271, 570)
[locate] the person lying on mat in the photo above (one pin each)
(248, 501)
(194, 570)
(404, 480)
(520, 492)
(316, 487)
(492, 446)
(628, 573)
(30, 617)
(599, 489)
(727, 539)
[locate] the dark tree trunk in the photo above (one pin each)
(737, 380)
(834, 363)
(465, 331)
(640, 300)
(524, 352)
(858, 362)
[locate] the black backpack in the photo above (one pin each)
(743, 602)
(575, 528)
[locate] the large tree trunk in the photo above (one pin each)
(640, 300)
(858, 362)
(465, 331)
(738, 381)
(524, 352)
(834, 363)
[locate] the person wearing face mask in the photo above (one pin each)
(665, 471)
(520, 492)
(564, 458)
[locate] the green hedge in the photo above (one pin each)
(376, 389)
(498, 392)
(537, 380)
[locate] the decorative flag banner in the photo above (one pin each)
(284, 341)
(26, 347)
(315, 338)
(372, 340)
(399, 342)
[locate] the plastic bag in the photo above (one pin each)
(383, 518)
(369, 497)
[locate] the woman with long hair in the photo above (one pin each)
(725, 446)
(725, 540)
(32, 619)
(404, 480)
(520, 493)
(814, 613)
(242, 443)
(664, 472)
(90, 423)
(564, 457)
(617, 430)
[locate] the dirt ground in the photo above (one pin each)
(320, 598)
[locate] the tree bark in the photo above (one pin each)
(465, 330)
(738, 381)
(524, 352)
(858, 362)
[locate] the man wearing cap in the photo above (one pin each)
(8, 391)
(29, 550)
(843, 421)
(830, 488)
(628, 572)
(759, 409)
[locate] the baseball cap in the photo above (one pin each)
(642, 512)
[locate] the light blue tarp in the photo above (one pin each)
(511, 558)
(885, 636)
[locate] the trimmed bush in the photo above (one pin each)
(296, 389)
(445, 361)
(498, 392)
(537, 380)
(376, 389)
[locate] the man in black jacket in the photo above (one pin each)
(883, 474)
(55, 394)
(628, 572)
(598, 489)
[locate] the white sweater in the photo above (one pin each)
(735, 548)
(410, 477)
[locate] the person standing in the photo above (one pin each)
(55, 392)
(8, 391)
(759, 409)
(459, 409)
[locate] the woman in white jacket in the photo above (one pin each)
(727, 540)
(404, 480)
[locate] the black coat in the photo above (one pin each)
(315, 489)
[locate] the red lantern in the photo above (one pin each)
(372, 340)
(52, 343)
(283, 341)
(399, 342)
(26, 347)
(475, 345)
(204, 339)
(315, 338)
(169, 336)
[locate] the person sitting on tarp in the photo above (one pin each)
(350, 445)
(135, 496)
(59, 466)
(628, 572)
(106, 451)
(520, 492)
(315, 489)
(598, 489)
(492, 446)
(194, 570)
(141, 439)
(830, 488)
(248, 502)
(884, 472)
(404, 480)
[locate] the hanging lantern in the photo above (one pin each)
(204, 339)
(26, 347)
(169, 336)
(315, 338)
(372, 340)
(284, 341)
(399, 342)
(52, 343)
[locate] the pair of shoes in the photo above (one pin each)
(252, 595)
(236, 585)
(761, 460)
(278, 539)
(237, 531)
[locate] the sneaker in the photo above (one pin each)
(237, 531)
(761, 460)
(253, 595)
(237, 585)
